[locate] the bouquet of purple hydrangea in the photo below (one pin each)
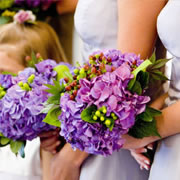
(21, 104)
(105, 99)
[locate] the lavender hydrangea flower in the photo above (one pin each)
(20, 114)
(109, 90)
(92, 138)
(20, 110)
(6, 81)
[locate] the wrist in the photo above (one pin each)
(76, 158)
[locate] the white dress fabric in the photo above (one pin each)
(166, 164)
(96, 22)
(16, 168)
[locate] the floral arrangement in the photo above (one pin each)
(21, 102)
(41, 9)
(103, 100)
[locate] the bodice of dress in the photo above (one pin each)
(96, 23)
(168, 26)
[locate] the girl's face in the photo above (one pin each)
(9, 64)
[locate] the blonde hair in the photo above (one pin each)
(19, 40)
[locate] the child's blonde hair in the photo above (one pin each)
(19, 40)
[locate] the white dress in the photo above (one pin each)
(17, 168)
(166, 164)
(96, 23)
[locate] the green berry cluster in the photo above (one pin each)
(26, 86)
(2, 92)
(100, 116)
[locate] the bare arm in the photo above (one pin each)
(137, 25)
(66, 6)
(159, 102)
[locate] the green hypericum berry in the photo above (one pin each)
(91, 62)
(31, 78)
(62, 94)
(2, 94)
(76, 71)
(92, 76)
(115, 117)
(112, 114)
(78, 78)
(20, 84)
(82, 71)
(102, 118)
(26, 86)
(97, 56)
(95, 118)
(108, 122)
(104, 111)
(97, 113)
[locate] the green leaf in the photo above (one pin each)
(153, 112)
(145, 116)
(142, 67)
(153, 57)
(87, 114)
(52, 117)
(143, 78)
(56, 91)
(112, 124)
(148, 115)
(131, 83)
(16, 146)
(158, 75)
(8, 73)
(4, 141)
(62, 72)
(143, 129)
(21, 151)
(137, 88)
(47, 108)
(159, 63)
(1, 135)
(5, 20)
(33, 61)
(4, 4)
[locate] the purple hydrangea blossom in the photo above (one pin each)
(92, 138)
(6, 81)
(20, 114)
(109, 90)
(20, 110)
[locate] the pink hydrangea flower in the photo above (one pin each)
(24, 16)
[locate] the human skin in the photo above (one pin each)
(66, 6)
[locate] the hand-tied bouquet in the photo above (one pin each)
(21, 102)
(41, 8)
(103, 100)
